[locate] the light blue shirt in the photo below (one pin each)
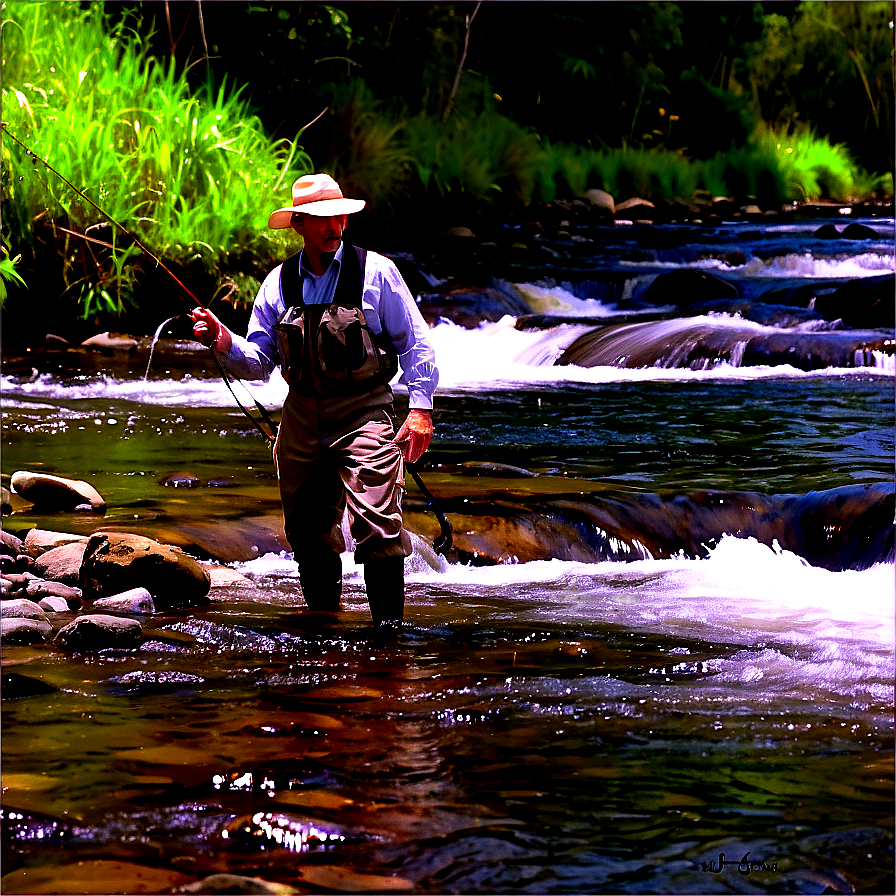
(387, 305)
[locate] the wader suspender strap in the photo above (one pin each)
(349, 286)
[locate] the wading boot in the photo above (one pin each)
(384, 578)
(321, 578)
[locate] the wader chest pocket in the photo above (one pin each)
(346, 349)
(290, 329)
(330, 350)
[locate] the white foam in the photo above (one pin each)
(807, 266)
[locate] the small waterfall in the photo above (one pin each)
(703, 343)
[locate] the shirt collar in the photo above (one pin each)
(337, 260)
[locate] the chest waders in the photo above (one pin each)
(328, 351)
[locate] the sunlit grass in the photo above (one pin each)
(489, 158)
(193, 176)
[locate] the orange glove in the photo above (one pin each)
(415, 434)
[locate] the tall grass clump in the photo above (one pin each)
(193, 176)
(814, 167)
(368, 157)
(483, 155)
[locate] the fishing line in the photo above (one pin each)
(442, 544)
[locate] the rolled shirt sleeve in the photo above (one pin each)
(254, 356)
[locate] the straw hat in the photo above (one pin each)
(315, 194)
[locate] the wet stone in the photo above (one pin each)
(56, 492)
(136, 600)
(62, 564)
(39, 588)
(16, 630)
(53, 604)
(39, 541)
(21, 608)
(237, 883)
(98, 632)
(16, 581)
(115, 562)
(10, 544)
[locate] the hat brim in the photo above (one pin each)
(324, 208)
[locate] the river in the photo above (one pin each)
(584, 717)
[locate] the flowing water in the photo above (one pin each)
(721, 723)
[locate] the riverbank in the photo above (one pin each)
(556, 241)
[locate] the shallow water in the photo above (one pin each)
(542, 727)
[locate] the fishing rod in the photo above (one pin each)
(270, 432)
(442, 544)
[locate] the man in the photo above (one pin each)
(335, 318)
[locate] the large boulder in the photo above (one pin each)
(99, 632)
(55, 492)
(115, 562)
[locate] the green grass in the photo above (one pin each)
(193, 176)
(487, 158)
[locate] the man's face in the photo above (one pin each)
(321, 234)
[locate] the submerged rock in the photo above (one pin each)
(181, 479)
(845, 528)
(230, 540)
(768, 315)
(56, 492)
(99, 632)
(115, 562)
(700, 344)
(16, 686)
